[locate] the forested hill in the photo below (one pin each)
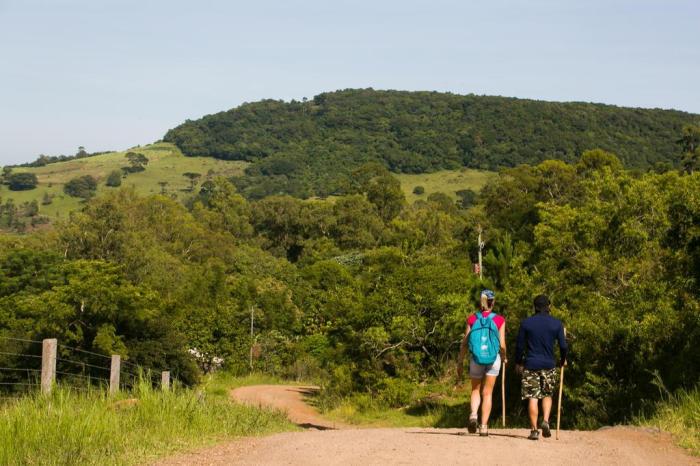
(311, 147)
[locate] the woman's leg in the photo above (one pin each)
(476, 397)
(487, 398)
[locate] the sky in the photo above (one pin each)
(109, 75)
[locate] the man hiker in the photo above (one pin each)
(486, 335)
(535, 344)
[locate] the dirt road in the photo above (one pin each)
(286, 398)
(335, 446)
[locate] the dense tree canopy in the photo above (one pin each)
(310, 148)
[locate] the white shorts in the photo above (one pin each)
(478, 371)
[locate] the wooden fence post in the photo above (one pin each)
(165, 381)
(49, 347)
(114, 370)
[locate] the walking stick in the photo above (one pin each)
(561, 389)
(503, 392)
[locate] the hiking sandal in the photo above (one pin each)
(471, 427)
(534, 435)
(546, 433)
(483, 430)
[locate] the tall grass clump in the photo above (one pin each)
(90, 427)
(679, 414)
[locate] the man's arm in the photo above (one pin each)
(462, 353)
(520, 345)
(563, 345)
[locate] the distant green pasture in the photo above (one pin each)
(166, 164)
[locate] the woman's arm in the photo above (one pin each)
(502, 334)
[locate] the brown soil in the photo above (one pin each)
(291, 399)
(333, 444)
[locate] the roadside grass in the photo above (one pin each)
(90, 428)
(360, 410)
(444, 181)
(433, 405)
(166, 164)
(679, 415)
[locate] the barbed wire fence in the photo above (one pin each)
(28, 366)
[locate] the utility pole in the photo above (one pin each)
(481, 248)
(252, 318)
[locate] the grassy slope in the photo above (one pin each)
(166, 163)
(445, 181)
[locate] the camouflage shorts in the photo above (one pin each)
(539, 384)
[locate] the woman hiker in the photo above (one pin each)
(486, 335)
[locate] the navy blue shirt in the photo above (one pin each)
(536, 339)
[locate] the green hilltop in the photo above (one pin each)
(433, 142)
(311, 148)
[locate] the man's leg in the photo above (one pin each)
(546, 408)
(532, 412)
(487, 398)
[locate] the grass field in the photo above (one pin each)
(444, 181)
(165, 164)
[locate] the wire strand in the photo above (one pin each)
(19, 369)
(20, 339)
(84, 364)
(85, 351)
(81, 376)
(21, 354)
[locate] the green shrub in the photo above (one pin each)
(83, 186)
(418, 190)
(467, 198)
(114, 179)
(397, 393)
(22, 181)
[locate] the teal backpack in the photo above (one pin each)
(484, 340)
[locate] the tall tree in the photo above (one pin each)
(137, 160)
(690, 144)
(192, 177)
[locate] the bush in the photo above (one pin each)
(83, 186)
(397, 393)
(22, 181)
(418, 190)
(114, 179)
(467, 198)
